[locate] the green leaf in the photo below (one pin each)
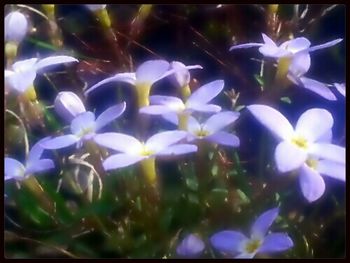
(259, 79)
(286, 100)
(191, 183)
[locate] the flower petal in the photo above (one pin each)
(276, 242)
(119, 142)
(173, 103)
(24, 65)
(178, 149)
(329, 152)
(171, 117)
(341, 88)
(193, 126)
(210, 108)
(162, 140)
(37, 150)
(228, 241)
(181, 75)
(82, 123)
(273, 51)
(109, 115)
(60, 142)
(13, 169)
(39, 166)
(273, 120)
(245, 255)
(311, 183)
(54, 60)
(121, 160)
(223, 138)
(296, 45)
(331, 169)
(21, 81)
(318, 87)
(263, 222)
(206, 93)
(325, 45)
(300, 64)
(151, 71)
(246, 45)
(156, 110)
(289, 157)
(313, 124)
(128, 77)
(220, 120)
(191, 245)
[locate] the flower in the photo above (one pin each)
(84, 127)
(196, 102)
(286, 49)
(145, 76)
(16, 27)
(68, 105)
(341, 88)
(238, 245)
(190, 246)
(181, 77)
(16, 170)
(296, 71)
(304, 143)
(133, 151)
(210, 130)
(23, 73)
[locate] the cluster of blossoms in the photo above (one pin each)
(306, 149)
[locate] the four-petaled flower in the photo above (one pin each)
(84, 127)
(191, 246)
(211, 129)
(133, 151)
(236, 244)
(23, 73)
(307, 141)
(16, 170)
(198, 101)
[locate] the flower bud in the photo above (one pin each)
(68, 105)
(16, 27)
(190, 246)
(181, 76)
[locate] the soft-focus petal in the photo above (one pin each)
(276, 242)
(37, 150)
(156, 110)
(109, 115)
(83, 123)
(326, 137)
(181, 76)
(209, 108)
(95, 7)
(178, 149)
(172, 103)
(325, 45)
(24, 65)
(39, 166)
(311, 183)
(162, 140)
(119, 142)
(16, 27)
(151, 71)
(223, 138)
(318, 87)
(60, 142)
(300, 64)
(268, 40)
(313, 124)
(13, 169)
(128, 77)
(206, 93)
(331, 169)
(329, 152)
(341, 88)
(22, 80)
(273, 120)
(190, 246)
(171, 117)
(54, 60)
(245, 255)
(289, 157)
(296, 45)
(68, 105)
(193, 125)
(220, 120)
(247, 45)
(273, 51)
(121, 160)
(263, 222)
(228, 241)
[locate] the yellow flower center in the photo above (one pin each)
(202, 133)
(86, 131)
(301, 142)
(252, 245)
(30, 93)
(145, 151)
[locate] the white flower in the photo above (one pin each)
(16, 27)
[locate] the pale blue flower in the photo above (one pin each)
(181, 76)
(191, 246)
(16, 27)
(68, 105)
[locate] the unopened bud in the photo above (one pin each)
(68, 105)
(16, 27)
